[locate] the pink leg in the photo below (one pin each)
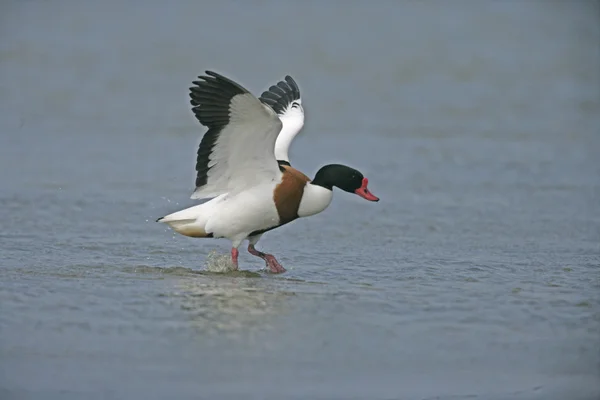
(270, 259)
(234, 256)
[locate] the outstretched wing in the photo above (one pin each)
(237, 151)
(284, 98)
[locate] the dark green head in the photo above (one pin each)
(346, 178)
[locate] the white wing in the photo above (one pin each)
(237, 151)
(284, 99)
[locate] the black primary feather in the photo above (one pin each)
(280, 96)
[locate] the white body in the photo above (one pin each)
(233, 217)
(236, 216)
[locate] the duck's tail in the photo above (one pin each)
(189, 222)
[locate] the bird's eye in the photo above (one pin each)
(295, 105)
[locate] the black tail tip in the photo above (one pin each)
(160, 219)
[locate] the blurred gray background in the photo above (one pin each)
(475, 276)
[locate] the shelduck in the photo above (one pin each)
(237, 167)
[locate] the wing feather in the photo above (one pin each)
(237, 151)
(284, 99)
(280, 96)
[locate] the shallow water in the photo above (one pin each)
(475, 276)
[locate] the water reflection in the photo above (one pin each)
(231, 304)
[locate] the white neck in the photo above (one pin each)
(314, 200)
(292, 121)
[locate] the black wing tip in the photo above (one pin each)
(211, 74)
(210, 98)
(290, 81)
(281, 95)
(212, 77)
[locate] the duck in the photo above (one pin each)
(248, 190)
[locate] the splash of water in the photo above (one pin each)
(221, 263)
